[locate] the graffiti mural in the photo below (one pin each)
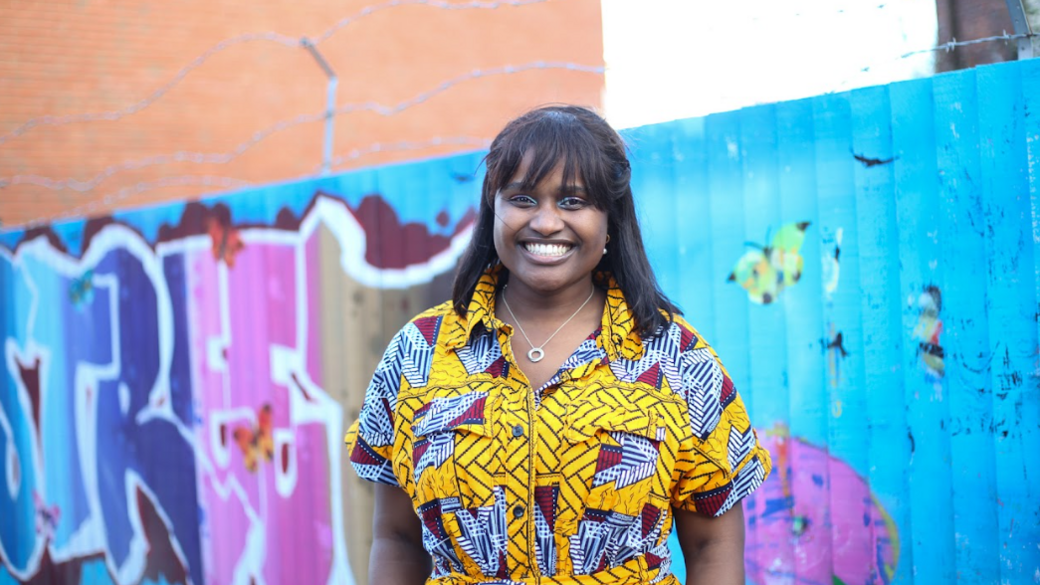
(765, 271)
(165, 413)
(928, 330)
(792, 518)
(175, 380)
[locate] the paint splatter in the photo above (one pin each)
(873, 162)
(765, 271)
(831, 268)
(834, 345)
(928, 331)
(47, 517)
(81, 290)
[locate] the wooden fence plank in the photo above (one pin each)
(929, 466)
(883, 339)
(965, 339)
(1012, 312)
(728, 237)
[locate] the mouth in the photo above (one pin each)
(547, 250)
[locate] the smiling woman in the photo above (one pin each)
(501, 459)
(549, 235)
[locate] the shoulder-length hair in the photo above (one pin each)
(592, 151)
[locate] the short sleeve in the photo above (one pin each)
(720, 461)
(370, 439)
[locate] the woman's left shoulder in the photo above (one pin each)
(680, 332)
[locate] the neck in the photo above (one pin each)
(550, 306)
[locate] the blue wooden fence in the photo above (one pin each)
(908, 347)
(865, 263)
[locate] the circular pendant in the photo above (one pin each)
(535, 355)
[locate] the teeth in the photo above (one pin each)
(547, 249)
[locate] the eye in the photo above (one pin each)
(573, 203)
(521, 200)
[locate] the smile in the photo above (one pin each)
(547, 250)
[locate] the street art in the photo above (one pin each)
(797, 533)
(766, 270)
(831, 263)
(162, 410)
(834, 345)
(928, 330)
(174, 381)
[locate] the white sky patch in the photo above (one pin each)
(671, 59)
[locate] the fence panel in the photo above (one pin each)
(176, 379)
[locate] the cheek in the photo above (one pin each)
(604, 226)
(500, 229)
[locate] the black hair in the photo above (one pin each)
(590, 149)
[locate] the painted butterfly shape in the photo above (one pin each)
(81, 290)
(47, 517)
(227, 242)
(765, 271)
(258, 442)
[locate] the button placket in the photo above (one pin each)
(519, 468)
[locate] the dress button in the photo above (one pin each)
(518, 511)
(518, 431)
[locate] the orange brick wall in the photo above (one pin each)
(63, 61)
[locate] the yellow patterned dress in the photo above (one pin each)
(572, 483)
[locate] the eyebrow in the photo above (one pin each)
(519, 186)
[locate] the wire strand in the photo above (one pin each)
(115, 197)
(406, 145)
(262, 134)
(278, 38)
(955, 43)
(234, 183)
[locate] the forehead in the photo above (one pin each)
(539, 171)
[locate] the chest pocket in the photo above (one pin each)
(627, 446)
(454, 453)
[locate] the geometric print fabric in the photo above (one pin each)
(578, 477)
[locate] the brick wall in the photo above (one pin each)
(157, 136)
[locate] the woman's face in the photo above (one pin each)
(550, 237)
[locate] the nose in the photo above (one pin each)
(546, 220)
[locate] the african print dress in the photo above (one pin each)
(573, 483)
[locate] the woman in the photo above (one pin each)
(564, 454)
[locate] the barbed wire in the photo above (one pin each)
(278, 38)
(370, 10)
(406, 145)
(117, 196)
(260, 135)
(234, 183)
(179, 156)
(955, 43)
(946, 47)
(114, 115)
(474, 74)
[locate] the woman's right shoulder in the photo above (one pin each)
(429, 321)
(438, 311)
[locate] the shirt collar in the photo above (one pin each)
(618, 336)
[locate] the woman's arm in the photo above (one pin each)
(713, 547)
(398, 556)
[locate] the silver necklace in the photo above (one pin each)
(535, 354)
